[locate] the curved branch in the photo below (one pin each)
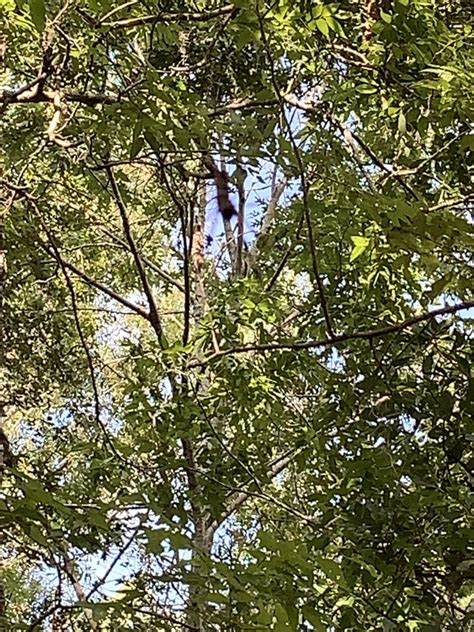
(239, 498)
(96, 284)
(183, 16)
(367, 334)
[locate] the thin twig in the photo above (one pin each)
(241, 497)
(164, 275)
(450, 203)
(187, 279)
(304, 184)
(240, 178)
(268, 218)
(78, 589)
(101, 581)
(154, 317)
(47, 96)
(368, 151)
(224, 446)
(90, 363)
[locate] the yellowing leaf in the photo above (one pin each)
(402, 123)
(360, 244)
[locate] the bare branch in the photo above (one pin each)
(243, 104)
(115, 10)
(450, 203)
(82, 338)
(121, 552)
(368, 151)
(186, 252)
(240, 221)
(22, 191)
(70, 570)
(238, 499)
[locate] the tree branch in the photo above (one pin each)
(242, 104)
(304, 184)
(164, 275)
(368, 151)
(173, 17)
(267, 219)
(239, 499)
(55, 254)
(69, 569)
(450, 203)
(82, 338)
(153, 317)
(367, 334)
(27, 94)
(96, 284)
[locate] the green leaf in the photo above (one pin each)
(438, 286)
(360, 245)
(282, 621)
(137, 139)
(334, 25)
(402, 123)
(152, 141)
(218, 597)
(322, 26)
(366, 88)
(313, 617)
(38, 13)
(331, 569)
(346, 601)
(268, 541)
(179, 541)
(155, 539)
(38, 535)
(427, 364)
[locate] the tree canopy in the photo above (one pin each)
(236, 308)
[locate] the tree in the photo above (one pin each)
(267, 428)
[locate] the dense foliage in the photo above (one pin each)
(256, 423)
